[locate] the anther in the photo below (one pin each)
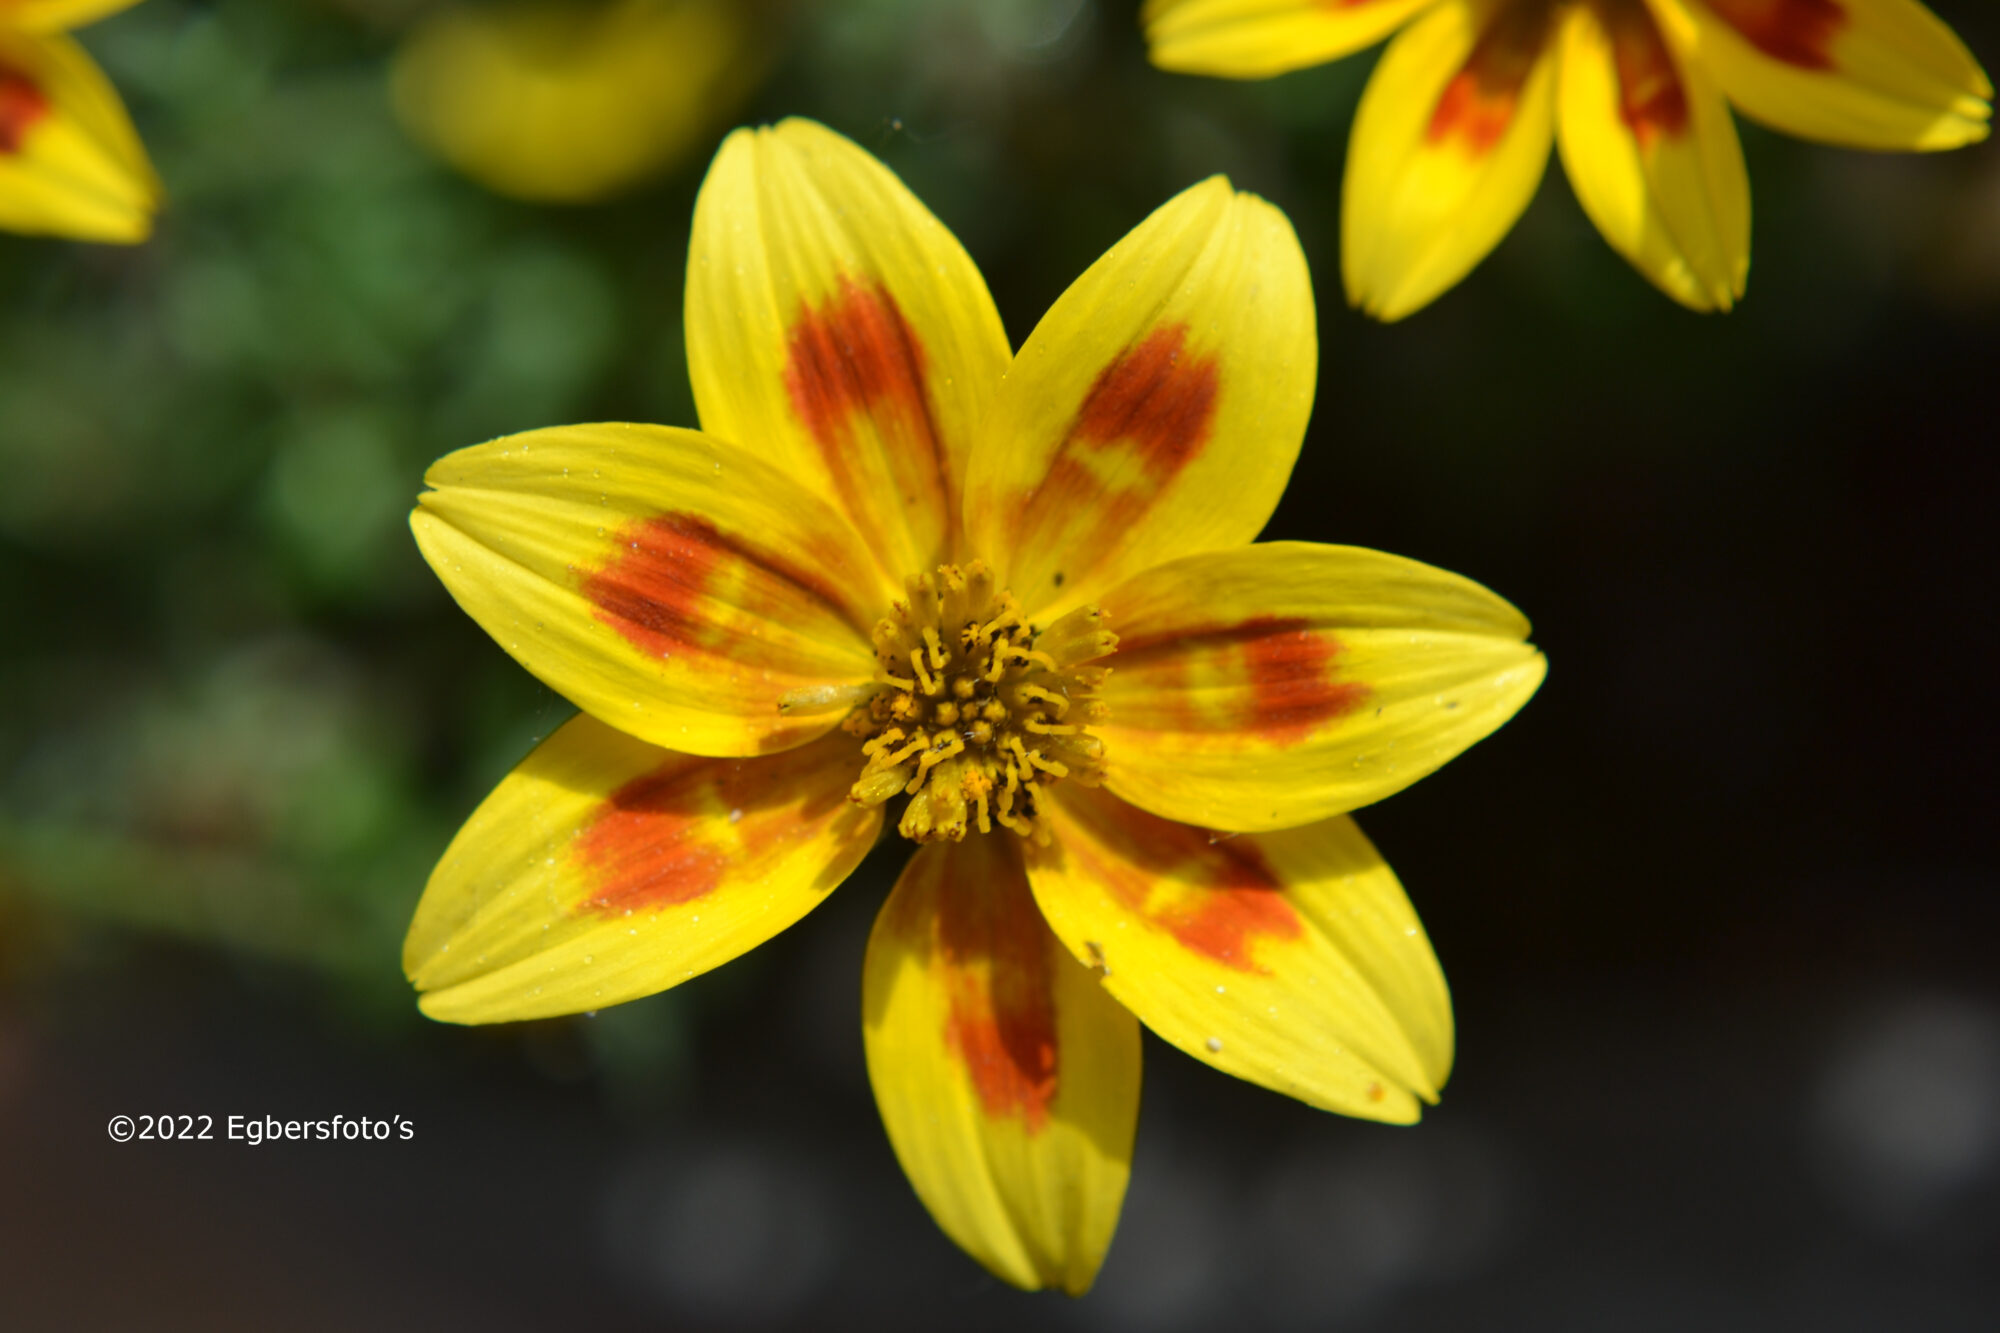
(991, 712)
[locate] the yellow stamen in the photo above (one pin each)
(991, 713)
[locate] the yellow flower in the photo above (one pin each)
(1454, 130)
(567, 102)
(70, 162)
(779, 626)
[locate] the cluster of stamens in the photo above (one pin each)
(976, 711)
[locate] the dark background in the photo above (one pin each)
(1718, 909)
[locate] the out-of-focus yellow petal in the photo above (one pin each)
(57, 15)
(669, 583)
(70, 162)
(1251, 39)
(569, 103)
(603, 869)
(836, 327)
(1861, 73)
(1290, 959)
(1156, 410)
(1652, 154)
(1284, 682)
(1449, 143)
(1008, 1079)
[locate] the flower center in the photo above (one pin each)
(977, 711)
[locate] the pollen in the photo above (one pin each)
(976, 712)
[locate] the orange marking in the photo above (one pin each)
(856, 359)
(1652, 101)
(656, 588)
(1215, 898)
(1290, 687)
(1153, 397)
(644, 848)
(1477, 107)
(1285, 665)
(652, 590)
(1147, 416)
(996, 955)
(672, 835)
(1797, 32)
(22, 103)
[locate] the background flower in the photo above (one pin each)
(1452, 137)
(576, 100)
(70, 162)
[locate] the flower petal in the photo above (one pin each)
(70, 162)
(1156, 410)
(603, 869)
(1862, 73)
(835, 326)
(667, 582)
(1290, 959)
(1449, 144)
(58, 15)
(1652, 153)
(1008, 1079)
(1278, 684)
(1252, 39)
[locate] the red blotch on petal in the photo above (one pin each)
(645, 847)
(22, 103)
(850, 354)
(1216, 895)
(854, 370)
(1290, 679)
(999, 975)
(1477, 107)
(1797, 32)
(651, 591)
(1652, 101)
(675, 834)
(1147, 416)
(1158, 398)
(1286, 665)
(655, 591)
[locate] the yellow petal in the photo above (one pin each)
(1290, 959)
(1008, 1079)
(1652, 154)
(836, 327)
(70, 162)
(57, 15)
(1278, 684)
(667, 582)
(603, 869)
(1251, 39)
(1862, 73)
(1158, 407)
(1450, 141)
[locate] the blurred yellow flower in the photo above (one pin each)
(1454, 130)
(70, 162)
(778, 625)
(571, 101)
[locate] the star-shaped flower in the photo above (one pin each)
(1010, 600)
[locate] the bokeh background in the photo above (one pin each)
(1718, 909)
